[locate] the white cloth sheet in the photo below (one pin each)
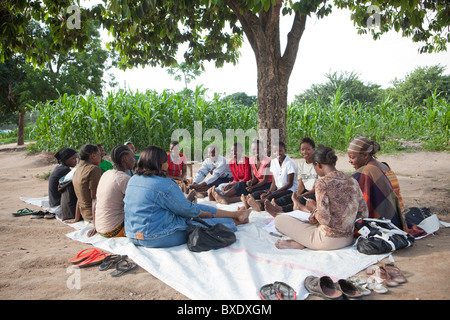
(236, 272)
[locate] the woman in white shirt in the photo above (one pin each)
(307, 178)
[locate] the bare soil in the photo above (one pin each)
(34, 252)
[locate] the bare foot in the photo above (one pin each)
(192, 197)
(218, 197)
(276, 206)
(257, 206)
(270, 208)
(243, 216)
(210, 194)
(244, 200)
(297, 204)
(288, 244)
(201, 194)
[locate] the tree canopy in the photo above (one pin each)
(22, 85)
(419, 85)
(210, 28)
(352, 88)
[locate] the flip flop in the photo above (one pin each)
(123, 266)
(267, 292)
(84, 254)
(284, 291)
(95, 259)
(110, 260)
(23, 212)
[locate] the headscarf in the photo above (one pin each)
(362, 144)
(64, 154)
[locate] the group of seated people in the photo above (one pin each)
(144, 201)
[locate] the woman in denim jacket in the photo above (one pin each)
(156, 209)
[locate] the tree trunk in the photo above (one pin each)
(20, 129)
(272, 105)
(274, 69)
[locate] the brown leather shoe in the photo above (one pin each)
(349, 290)
(323, 287)
(395, 273)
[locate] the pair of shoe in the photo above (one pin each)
(277, 291)
(122, 264)
(42, 214)
(93, 257)
(391, 274)
(326, 288)
(368, 284)
(89, 257)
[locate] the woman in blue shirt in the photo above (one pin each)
(156, 209)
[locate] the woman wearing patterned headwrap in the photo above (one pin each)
(378, 182)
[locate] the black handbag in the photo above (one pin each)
(378, 236)
(206, 237)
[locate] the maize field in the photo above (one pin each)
(149, 118)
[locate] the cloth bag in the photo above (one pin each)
(68, 200)
(206, 237)
(378, 236)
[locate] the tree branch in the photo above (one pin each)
(294, 36)
(249, 22)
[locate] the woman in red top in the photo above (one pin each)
(239, 166)
(258, 166)
(177, 162)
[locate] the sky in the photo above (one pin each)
(328, 45)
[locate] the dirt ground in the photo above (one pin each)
(34, 252)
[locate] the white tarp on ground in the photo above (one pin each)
(236, 272)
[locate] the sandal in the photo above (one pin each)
(93, 260)
(38, 215)
(381, 272)
(375, 284)
(123, 266)
(395, 273)
(49, 215)
(23, 212)
(361, 283)
(284, 291)
(84, 254)
(110, 260)
(267, 292)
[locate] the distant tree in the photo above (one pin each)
(22, 86)
(184, 72)
(241, 99)
(348, 83)
(10, 76)
(420, 84)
